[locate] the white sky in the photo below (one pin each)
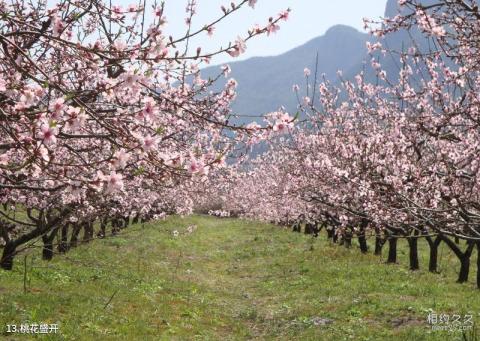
(308, 19)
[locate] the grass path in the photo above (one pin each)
(230, 280)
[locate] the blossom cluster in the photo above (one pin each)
(103, 115)
(397, 156)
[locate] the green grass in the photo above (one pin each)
(230, 280)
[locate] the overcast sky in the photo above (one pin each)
(308, 19)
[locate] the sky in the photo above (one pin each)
(308, 19)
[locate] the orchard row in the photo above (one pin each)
(105, 117)
(383, 155)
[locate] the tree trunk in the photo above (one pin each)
(392, 250)
(363, 242)
(433, 244)
(87, 232)
(330, 233)
(362, 239)
(335, 237)
(378, 245)
(465, 264)
(309, 228)
(9, 251)
(464, 269)
(348, 239)
(379, 242)
(318, 227)
(41, 228)
(464, 257)
(74, 238)
(478, 264)
(413, 246)
(115, 226)
(63, 245)
(103, 227)
(47, 250)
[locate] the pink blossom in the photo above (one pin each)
(47, 134)
(117, 12)
(71, 111)
(57, 108)
(119, 45)
(76, 118)
(58, 26)
(284, 15)
(4, 158)
(272, 28)
(149, 143)
(253, 126)
(149, 108)
(239, 47)
(132, 8)
(196, 166)
(43, 152)
(114, 182)
(158, 11)
(283, 122)
(193, 165)
(226, 70)
(257, 29)
(130, 78)
(2, 84)
(210, 30)
(280, 127)
(232, 83)
(28, 98)
(121, 159)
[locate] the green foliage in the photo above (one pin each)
(230, 280)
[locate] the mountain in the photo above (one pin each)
(265, 83)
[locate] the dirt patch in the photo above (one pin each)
(407, 298)
(321, 321)
(406, 321)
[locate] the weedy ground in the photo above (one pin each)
(231, 280)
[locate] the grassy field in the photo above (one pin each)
(230, 280)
